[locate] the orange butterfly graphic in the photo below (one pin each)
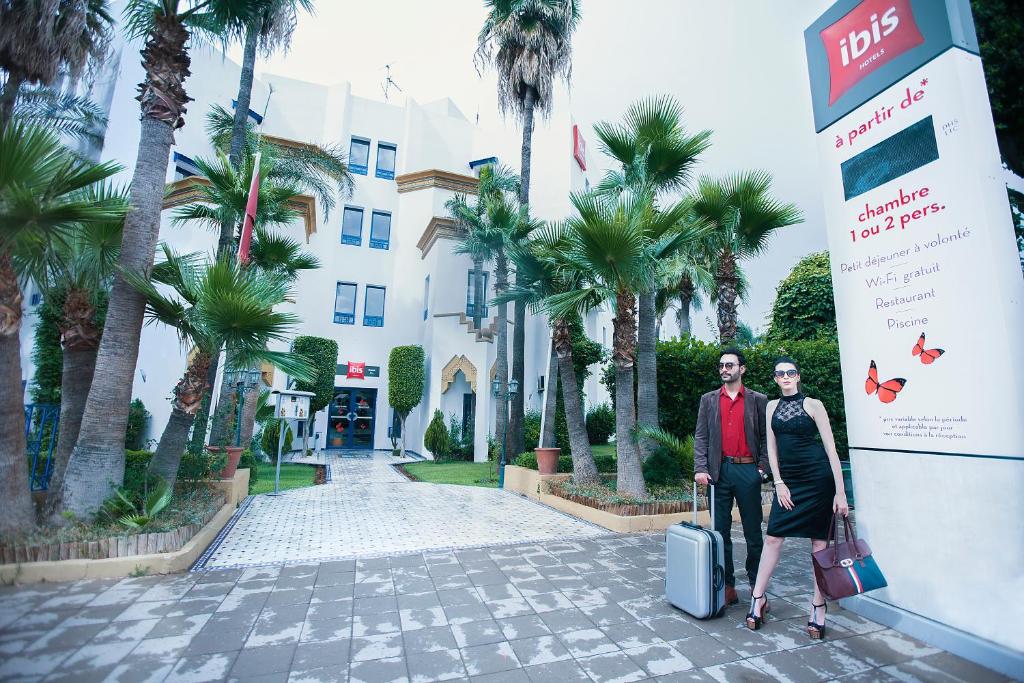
(886, 390)
(928, 356)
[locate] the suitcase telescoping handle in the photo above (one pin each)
(711, 503)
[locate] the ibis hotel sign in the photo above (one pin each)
(929, 302)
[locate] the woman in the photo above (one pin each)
(808, 486)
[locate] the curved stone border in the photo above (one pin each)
(151, 563)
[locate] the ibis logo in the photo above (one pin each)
(871, 34)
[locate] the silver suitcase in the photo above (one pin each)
(695, 565)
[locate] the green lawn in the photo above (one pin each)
(603, 449)
(292, 477)
(462, 473)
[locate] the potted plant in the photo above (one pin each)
(547, 459)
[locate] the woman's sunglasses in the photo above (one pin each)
(786, 373)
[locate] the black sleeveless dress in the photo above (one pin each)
(805, 469)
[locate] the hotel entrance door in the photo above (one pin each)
(350, 418)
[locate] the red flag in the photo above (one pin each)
(250, 212)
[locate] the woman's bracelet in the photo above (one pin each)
(780, 482)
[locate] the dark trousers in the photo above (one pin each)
(742, 482)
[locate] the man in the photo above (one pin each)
(730, 449)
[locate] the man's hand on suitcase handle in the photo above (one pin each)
(702, 478)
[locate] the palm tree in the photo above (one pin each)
(97, 463)
(41, 40)
(319, 170)
(41, 202)
(611, 242)
(743, 216)
(79, 272)
(655, 155)
(72, 115)
(490, 232)
(493, 180)
(223, 200)
(214, 304)
(529, 42)
(542, 272)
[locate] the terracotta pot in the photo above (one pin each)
(547, 459)
(234, 455)
(336, 441)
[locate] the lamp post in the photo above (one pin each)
(243, 379)
(505, 396)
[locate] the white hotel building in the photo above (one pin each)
(389, 273)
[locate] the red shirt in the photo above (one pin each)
(734, 436)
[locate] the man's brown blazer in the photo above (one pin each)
(707, 441)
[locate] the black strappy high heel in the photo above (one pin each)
(754, 621)
(816, 631)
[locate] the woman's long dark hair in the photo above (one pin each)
(786, 359)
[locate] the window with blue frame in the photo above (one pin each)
(380, 230)
(373, 311)
(386, 160)
(184, 167)
(345, 304)
(426, 296)
(471, 296)
(359, 156)
(352, 226)
(252, 115)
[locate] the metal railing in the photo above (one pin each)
(41, 424)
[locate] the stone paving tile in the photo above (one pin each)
(659, 660)
(523, 627)
(613, 666)
(202, 668)
(429, 640)
(438, 665)
(382, 646)
(539, 650)
(563, 671)
(390, 670)
(486, 659)
(477, 633)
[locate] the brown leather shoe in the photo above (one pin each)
(730, 595)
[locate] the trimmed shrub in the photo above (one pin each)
(268, 440)
(406, 381)
(323, 354)
(663, 468)
(138, 418)
(531, 430)
(248, 461)
(47, 353)
(436, 439)
(804, 305)
(600, 424)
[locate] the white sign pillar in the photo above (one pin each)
(930, 308)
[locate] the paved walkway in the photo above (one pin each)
(369, 509)
(588, 609)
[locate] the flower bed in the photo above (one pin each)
(187, 514)
(662, 501)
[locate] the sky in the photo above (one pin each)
(738, 67)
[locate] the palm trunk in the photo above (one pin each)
(252, 399)
(9, 97)
(647, 370)
(686, 292)
(188, 397)
(478, 293)
(727, 283)
(547, 438)
(501, 363)
(630, 479)
(97, 463)
(517, 436)
(81, 340)
(18, 513)
(584, 471)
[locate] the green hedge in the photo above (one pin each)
(605, 463)
(688, 368)
(323, 354)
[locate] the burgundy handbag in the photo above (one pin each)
(846, 569)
